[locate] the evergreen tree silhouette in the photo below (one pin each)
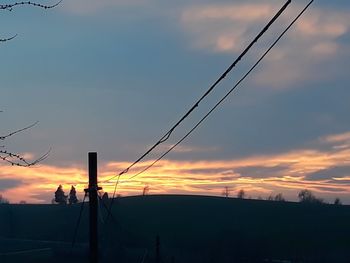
(72, 196)
(60, 198)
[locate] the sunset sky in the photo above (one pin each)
(113, 76)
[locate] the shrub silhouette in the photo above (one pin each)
(337, 201)
(306, 196)
(241, 194)
(279, 198)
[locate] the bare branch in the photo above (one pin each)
(17, 131)
(7, 39)
(10, 7)
(5, 155)
(17, 160)
(42, 158)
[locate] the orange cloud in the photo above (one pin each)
(40, 179)
(234, 12)
(209, 177)
(259, 175)
(338, 138)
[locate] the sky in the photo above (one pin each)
(112, 76)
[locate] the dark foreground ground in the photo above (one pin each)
(190, 229)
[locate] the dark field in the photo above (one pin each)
(190, 229)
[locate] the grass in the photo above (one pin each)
(192, 229)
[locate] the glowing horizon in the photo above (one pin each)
(259, 176)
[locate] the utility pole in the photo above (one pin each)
(93, 207)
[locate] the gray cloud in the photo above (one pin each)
(261, 171)
(210, 171)
(6, 184)
(338, 172)
(331, 189)
(339, 182)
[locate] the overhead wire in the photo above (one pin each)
(108, 209)
(78, 223)
(99, 201)
(112, 201)
(167, 135)
(220, 101)
(212, 109)
(228, 93)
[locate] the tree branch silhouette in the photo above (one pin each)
(6, 155)
(11, 6)
(17, 159)
(7, 39)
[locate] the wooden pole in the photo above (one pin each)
(93, 207)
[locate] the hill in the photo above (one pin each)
(189, 228)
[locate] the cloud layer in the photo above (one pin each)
(315, 39)
(324, 169)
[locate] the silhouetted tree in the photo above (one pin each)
(337, 201)
(279, 198)
(270, 198)
(145, 190)
(60, 197)
(22, 202)
(241, 194)
(3, 200)
(72, 196)
(306, 196)
(226, 192)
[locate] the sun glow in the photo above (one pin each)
(258, 175)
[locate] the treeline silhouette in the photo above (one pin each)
(190, 229)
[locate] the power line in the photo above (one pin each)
(167, 135)
(221, 100)
(109, 209)
(78, 222)
(227, 94)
